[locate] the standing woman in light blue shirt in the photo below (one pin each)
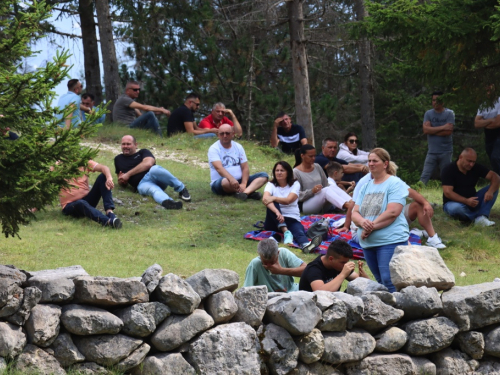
(378, 213)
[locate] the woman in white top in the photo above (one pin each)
(315, 192)
(281, 199)
(350, 152)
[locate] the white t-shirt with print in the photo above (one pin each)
(231, 159)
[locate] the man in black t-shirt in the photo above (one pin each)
(460, 199)
(291, 136)
(139, 169)
(327, 272)
(182, 119)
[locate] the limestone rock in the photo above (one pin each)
(361, 285)
(281, 353)
(65, 351)
(451, 362)
(382, 364)
(106, 350)
(311, 346)
(488, 367)
(419, 266)
(324, 299)
(316, 368)
(134, 359)
(271, 295)
(334, 318)
(70, 272)
(34, 359)
(210, 281)
(109, 291)
(226, 349)
(296, 312)
(11, 272)
(54, 290)
(252, 304)
(3, 366)
(355, 307)
(492, 342)
(43, 325)
(12, 340)
(422, 365)
(221, 306)
(31, 297)
(178, 329)
(151, 277)
(429, 335)
(377, 315)
(163, 364)
(177, 294)
(141, 320)
(348, 346)
(471, 343)
(391, 340)
(418, 303)
(90, 368)
(473, 306)
(89, 320)
(11, 296)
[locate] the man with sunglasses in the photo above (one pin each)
(182, 119)
(229, 171)
(291, 136)
(127, 111)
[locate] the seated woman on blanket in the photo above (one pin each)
(281, 199)
(315, 192)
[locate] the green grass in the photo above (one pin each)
(208, 232)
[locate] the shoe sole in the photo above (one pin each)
(315, 242)
(117, 224)
(185, 199)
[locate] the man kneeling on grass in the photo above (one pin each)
(274, 267)
(328, 272)
(79, 200)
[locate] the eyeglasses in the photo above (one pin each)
(136, 90)
(225, 133)
(351, 141)
(196, 104)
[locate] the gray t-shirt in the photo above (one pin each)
(122, 111)
(439, 144)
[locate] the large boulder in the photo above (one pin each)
(221, 306)
(151, 277)
(334, 318)
(473, 306)
(382, 364)
(355, 307)
(488, 367)
(418, 303)
(109, 291)
(179, 329)
(419, 266)
(89, 320)
(12, 340)
(348, 346)
(452, 362)
(210, 281)
(31, 297)
(163, 364)
(471, 343)
(296, 312)
(376, 314)
(141, 320)
(54, 290)
(12, 273)
(391, 340)
(106, 350)
(492, 342)
(226, 349)
(177, 294)
(252, 304)
(429, 335)
(65, 350)
(11, 296)
(278, 348)
(362, 285)
(311, 346)
(36, 360)
(134, 359)
(422, 365)
(43, 325)
(70, 272)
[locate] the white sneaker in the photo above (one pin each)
(435, 242)
(419, 232)
(483, 221)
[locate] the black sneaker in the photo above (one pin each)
(170, 204)
(315, 242)
(116, 223)
(241, 196)
(184, 195)
(255, 195)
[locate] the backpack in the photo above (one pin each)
(319, 228)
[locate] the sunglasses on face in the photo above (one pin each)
(225, 133)
(351, 141)
(136, 90)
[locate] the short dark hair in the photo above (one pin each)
(339, 248)
(438, 93)
(88, 95)
(333, 166)
(326, 140)
(289, 173)
(280, 114)
(302, 151)
(72, 83)
(193, 95)
(349, 135)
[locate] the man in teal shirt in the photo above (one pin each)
(71, 98)
(274, 267)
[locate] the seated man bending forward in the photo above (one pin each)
(274, 267)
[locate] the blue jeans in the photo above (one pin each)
(86, 207)
(294, 226)
(217, 185)
(378, 259)
(156, 181)
(431, 160)
(493, 151)
(147, 121)
(206, 135)
(463, 212)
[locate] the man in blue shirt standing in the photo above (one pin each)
(88, 104)
(71, 98)
(438, 125)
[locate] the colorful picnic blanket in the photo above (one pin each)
(307, 221)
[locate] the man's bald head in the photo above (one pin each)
(469, 151)
(467, 159)
(226, 128)
(129, 145)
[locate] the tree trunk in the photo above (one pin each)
(250, 88)
(366, 89)
(109, 62)
(90, 50)
(299, 67)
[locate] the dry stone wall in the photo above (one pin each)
(55, 320)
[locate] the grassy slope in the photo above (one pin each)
(207, 233)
